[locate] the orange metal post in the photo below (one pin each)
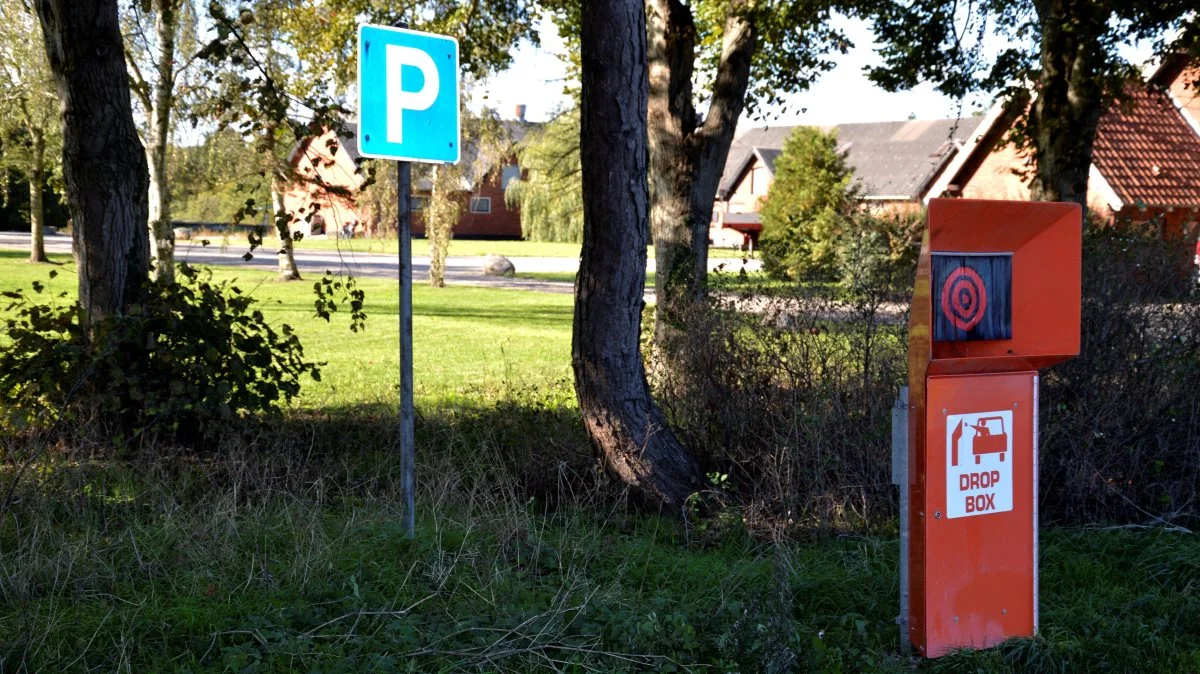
(997, 297)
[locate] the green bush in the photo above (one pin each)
(814, 226)
(191, 354)
(811, 203)
(878, 253)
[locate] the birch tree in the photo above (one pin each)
(262, 93)
(160, 40)
(30, 131)
(486, 146)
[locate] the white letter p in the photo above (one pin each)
(399, 100)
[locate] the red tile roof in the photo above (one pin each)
(1148, 153)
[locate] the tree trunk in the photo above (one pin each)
(104, 164)
(37, 184)
(288, 271)
(162, 235)
(686, 158)
(1064, 117)
(627, 428)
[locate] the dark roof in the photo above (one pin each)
(349, 142)
(742, 151)
(1147, 152)
(475, 171)
(515, 130)
(767, 157)
(895, 160)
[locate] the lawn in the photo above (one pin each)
(462, 247)
(129, 574)
(464, 337)
(284, 553)
(567, 276)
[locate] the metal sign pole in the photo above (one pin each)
(386, 108)
(407, 455)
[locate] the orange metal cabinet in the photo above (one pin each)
(996, 298)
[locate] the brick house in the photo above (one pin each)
(895, 163)
(323, 201)
(1145, 162)
(485, 215)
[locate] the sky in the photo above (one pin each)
(841, 95)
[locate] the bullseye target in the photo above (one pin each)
(964, 298)
(972, 297)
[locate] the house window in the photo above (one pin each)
(509, 174)
(481, 204)
(419, 203)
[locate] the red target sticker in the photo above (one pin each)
(964, 298)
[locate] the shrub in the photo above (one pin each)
(812, 217)
(810, 204)
(191, 354)
(1121, 423)
(790, 395)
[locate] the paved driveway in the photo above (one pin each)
(459, 270)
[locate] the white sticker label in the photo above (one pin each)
(979, 460)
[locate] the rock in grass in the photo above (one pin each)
(498, 265)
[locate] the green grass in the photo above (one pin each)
(464, 338)
(568, 276)
(286, 554)
(130, 574)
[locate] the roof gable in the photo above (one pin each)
(1147, 152)
(891, 160)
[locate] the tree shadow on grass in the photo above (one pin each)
(526, 444)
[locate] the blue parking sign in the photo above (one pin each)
(407, 95)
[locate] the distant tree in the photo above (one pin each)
(213, 179)
(104, 163)
(550, 195)
(808, 208)
(160, 43)
(377, 200)
(485, 146)
(1070, 71)
(30, 130)
(629, 431)
(445, 208)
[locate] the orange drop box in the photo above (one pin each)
(997, 297)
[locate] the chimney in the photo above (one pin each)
(520, 112)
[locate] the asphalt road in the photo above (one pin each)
(314, 263)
